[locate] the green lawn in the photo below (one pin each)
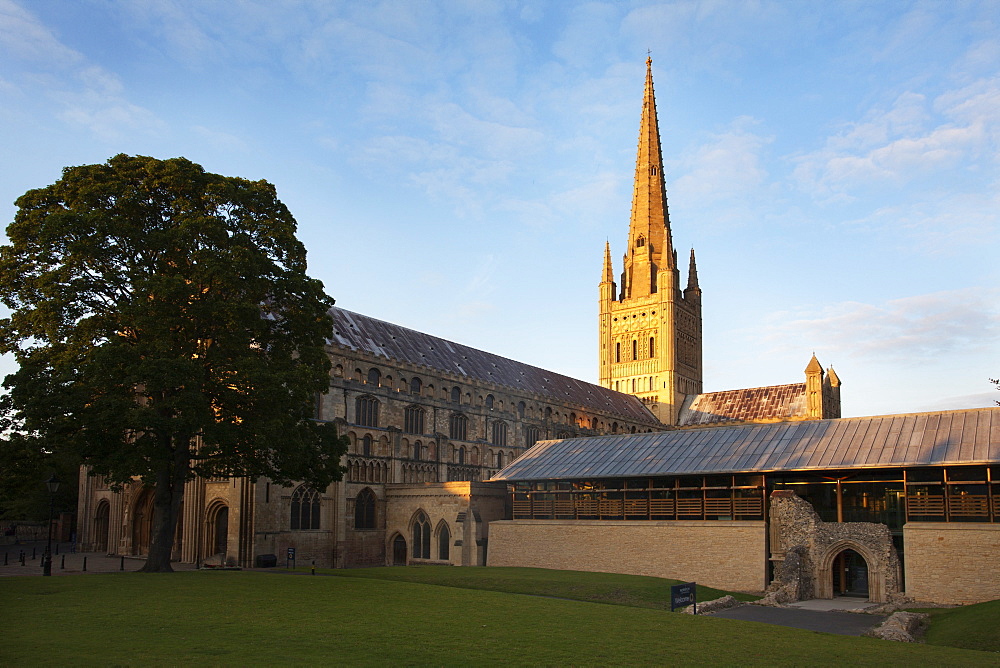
(971, 626)
(251, 618)
(632, 590)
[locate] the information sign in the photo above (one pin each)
(683, 595)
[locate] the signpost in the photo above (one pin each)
(683, 595)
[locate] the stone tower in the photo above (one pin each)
(650, 331)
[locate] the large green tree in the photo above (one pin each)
(165, 327)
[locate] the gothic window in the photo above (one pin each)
(413, 420)
(416, 450)
(461, 455)
(489, 401)
(499, 459)
(530, 436)
(456, 394)
(305, 509)
(374, 377)
(652, 347)
(366, 445)
(364, 509)
(444, 543)
(652, 170)
(618, 352)
(421, 537)
(458, 427)
(635, 349)
(640, 242)
(499, 435)
(415, 386)
(366, 411)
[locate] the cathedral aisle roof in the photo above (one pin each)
(377, 337)
(917, 439)
(755, 404)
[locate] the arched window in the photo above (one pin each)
(456, 395)
(416, 449)
(635, 349)
(458, 427)
(366, 411)
(489, 401)
(530, 436)
(357, 375)
(520, 408)
(374, 377)
(366, 445)
(548, 412)
(641, 241)
(614, 427)
(652, 346)
(461, 455)
(364, 509)
(444, 543)
(305, 509)
(572, 418)
(618, 352)
(421, 537)
(499, 435)
(499, 459)
(593, 423)
(413, 420)
(415, 386)
(338, 371)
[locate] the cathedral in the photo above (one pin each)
(431, 421)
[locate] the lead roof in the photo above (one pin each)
(384, 339)
(917, 439)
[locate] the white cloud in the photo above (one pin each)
(25, 37)
(728, 166)
(910, 140)
(914, 329)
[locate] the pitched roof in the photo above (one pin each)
(755, 404)
(377, 337)
(917, 439)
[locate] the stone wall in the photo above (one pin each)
(728, 555)
(952, 562)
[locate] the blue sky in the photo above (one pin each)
(456, 167)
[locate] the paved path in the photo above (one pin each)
(827, 621)
(68, 563)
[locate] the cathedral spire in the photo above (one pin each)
(607, 275)
(692, 274)
(650, 248)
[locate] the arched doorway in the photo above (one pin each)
(102, 522)
(399, 551)
(850, 574)
(221, 530)
(142, 522)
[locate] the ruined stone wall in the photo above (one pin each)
(724, 554)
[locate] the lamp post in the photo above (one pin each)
(52, 485)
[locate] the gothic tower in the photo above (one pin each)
(650, 331)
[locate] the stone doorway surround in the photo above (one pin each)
(804, 547)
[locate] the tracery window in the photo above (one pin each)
(305, 509)
(421, 537)
(366, 411)
(458, 427)
(499, 435)
(364, 509)
(413, 420)
(530, 436)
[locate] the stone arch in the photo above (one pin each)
(102, 525)
(216, 529)
(442, 540)
(876, 569)
(142, 520)
(396, 550)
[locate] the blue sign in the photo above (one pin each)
(291, 554)
(683, 595)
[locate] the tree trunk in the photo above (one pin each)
(167, 497)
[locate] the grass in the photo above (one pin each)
(252, 618)
(970, 627)
(631, 590)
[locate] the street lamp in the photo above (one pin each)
(52, 485)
